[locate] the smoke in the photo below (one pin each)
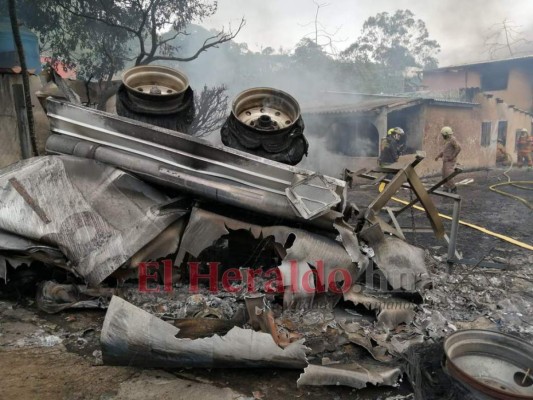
(460, 27)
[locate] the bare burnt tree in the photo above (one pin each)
(320, 35)
(506, 38)
(211, 110)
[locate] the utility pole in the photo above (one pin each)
(24, 72)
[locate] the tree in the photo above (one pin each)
(101, 37)
(211, 110)
(307, 51)
(319, 34)
(394, 41)
(506, 38)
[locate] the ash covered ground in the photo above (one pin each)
(58, 356)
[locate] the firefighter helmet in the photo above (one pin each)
(397, 130)
(446, 131)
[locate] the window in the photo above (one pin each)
(502, 131)
(494, 78)
(485, 134)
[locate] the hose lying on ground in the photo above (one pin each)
(517, 184)
(476, 227)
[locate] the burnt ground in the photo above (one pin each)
(479, 206)
(57, 356)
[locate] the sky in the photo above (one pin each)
(460, 26)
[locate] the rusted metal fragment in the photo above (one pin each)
(352, 375)
(261, 318)
(29, 200)
(390, 311)
(53, 297)
(98, 216)
(133, 337)
(455, 172)
(424, 199)
(195, 328)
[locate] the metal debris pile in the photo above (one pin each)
(206, 256)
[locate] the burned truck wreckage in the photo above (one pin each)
(214, 257)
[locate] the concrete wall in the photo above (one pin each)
(466, 123)
(446, 80)
(10, 150)
(519, 90)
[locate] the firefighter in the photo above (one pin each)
(449, 157)
(391, 148)
(502, 157)
(524, 149)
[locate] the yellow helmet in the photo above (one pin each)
(397, 130)
(446, 131)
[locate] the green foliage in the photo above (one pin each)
(395, 41)
(100, 37)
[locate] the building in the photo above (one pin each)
(482, 102)
(503, 88)
(347, 134)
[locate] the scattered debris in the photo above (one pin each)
(227, 259)
(53, 297)
(98, 216)
(353, 375)
(131, 336)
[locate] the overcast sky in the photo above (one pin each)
(458, 25)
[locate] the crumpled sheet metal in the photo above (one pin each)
(132, 337)
(97, 215)
(402, 264)
(353, 375)
(357, 335)
(308, 248)
(193, 165)
(162, 245)
(390, 311)
(53, 297)
(18, 250)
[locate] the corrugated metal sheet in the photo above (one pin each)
(479, 63)
(363, 105)
(366, 103)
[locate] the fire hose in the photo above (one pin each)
(517, 184)
(476, 227)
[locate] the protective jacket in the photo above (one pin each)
(390, 151)
(524, 144)
(451, 150)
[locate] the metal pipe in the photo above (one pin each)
(455, 228)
